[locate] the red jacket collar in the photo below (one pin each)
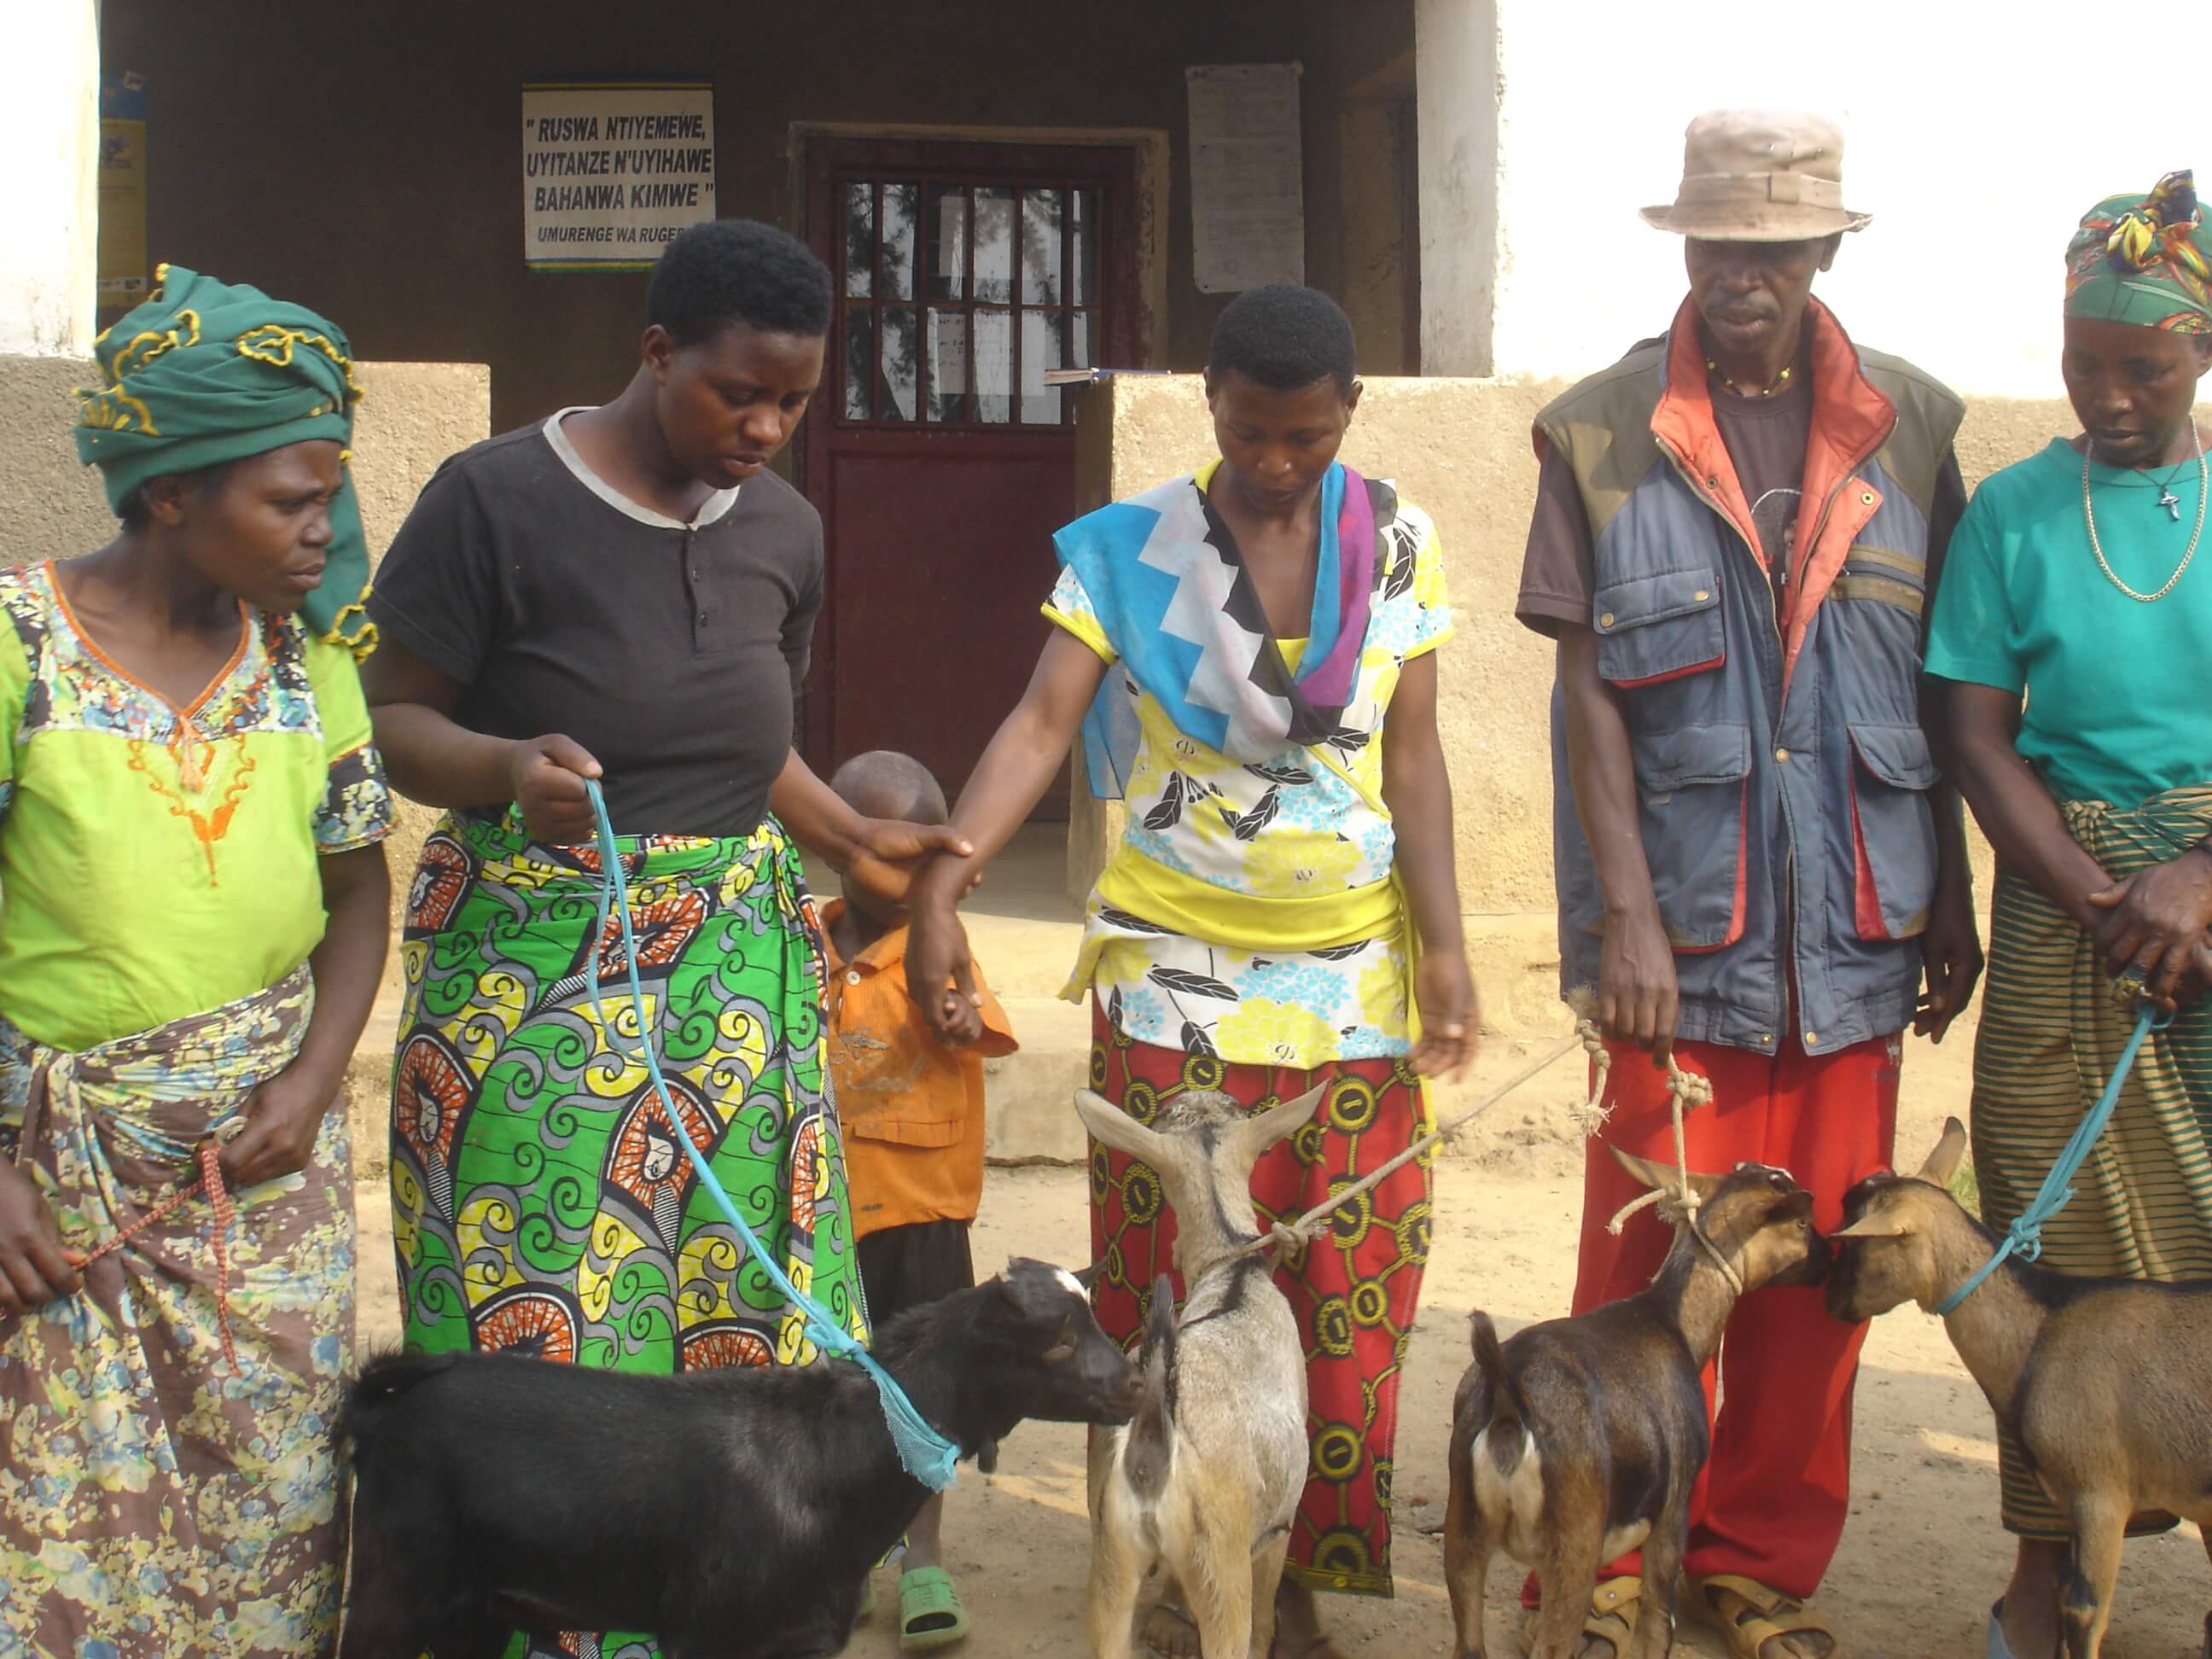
(1851, 418)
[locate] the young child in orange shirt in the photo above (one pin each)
(912, 1113)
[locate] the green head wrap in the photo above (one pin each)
(207, 372)
(2146, 260)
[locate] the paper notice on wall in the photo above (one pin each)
(1247, 186)
(124, 274)
(611, 174)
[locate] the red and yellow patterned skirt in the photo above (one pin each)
(1354, 1294)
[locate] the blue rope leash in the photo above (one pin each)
(2024, 1237)
(927, 1455)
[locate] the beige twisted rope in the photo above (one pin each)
(1290, 1237)
(1685, 1092)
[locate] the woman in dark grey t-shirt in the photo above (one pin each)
(625, 593)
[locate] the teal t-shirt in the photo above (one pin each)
(2119, 692)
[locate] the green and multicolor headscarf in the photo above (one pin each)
(2145, 260)
(206, 372)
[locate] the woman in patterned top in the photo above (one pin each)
(194, 929)
(1286, 880)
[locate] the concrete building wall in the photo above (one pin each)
(1459, 449)
(1973, 139)
(50, 503)
(390, 196)
(50, 129)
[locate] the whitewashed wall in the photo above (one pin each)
(49, 130)
(1976, 133)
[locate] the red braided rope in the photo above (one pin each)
(210, 1182)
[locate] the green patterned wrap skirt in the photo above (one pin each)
(540, 1201)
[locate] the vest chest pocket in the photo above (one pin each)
(1690, 789)
(1892, 829)
(1884, 577)
(1651, 628)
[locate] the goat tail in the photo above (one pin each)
(1509, 1406)
(380, 1385)
(1149, 1451)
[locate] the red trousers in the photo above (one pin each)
(1771, 1502)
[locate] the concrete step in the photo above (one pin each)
(1027, 1112)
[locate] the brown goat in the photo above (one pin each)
(1581, 1438)
(2102, 1380)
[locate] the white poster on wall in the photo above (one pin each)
(611, 173)
(1248, 214)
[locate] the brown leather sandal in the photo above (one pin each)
(1750, 1615)
(1612, 1614)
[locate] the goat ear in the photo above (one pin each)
(1089, 1277)
(1874, 1224)
(1114, 1128)
(1026, 1291)
(1658, 1176)
(1943, 1163)
(1256, 1134)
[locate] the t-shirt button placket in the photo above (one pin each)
(702, 618)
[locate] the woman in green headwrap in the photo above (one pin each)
(191, 819)
(2072, 584)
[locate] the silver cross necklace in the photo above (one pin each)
(2166, 498)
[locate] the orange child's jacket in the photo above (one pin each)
(911, 1108)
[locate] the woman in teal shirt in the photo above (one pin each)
(2075, 620)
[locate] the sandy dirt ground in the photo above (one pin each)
(1920, 1562)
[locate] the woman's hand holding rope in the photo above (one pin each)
(34, 1266)
(2155, 926)
(1444, 990)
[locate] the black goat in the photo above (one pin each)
(734, 1513)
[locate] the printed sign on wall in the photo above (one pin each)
(611, 172)
(124, 275)
(1247, 214)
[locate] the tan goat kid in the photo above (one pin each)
(2102, 1380)
(1206, 1480)
(1580, 1439)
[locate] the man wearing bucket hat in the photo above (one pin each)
(1759, 876)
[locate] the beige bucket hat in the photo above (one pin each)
(1751, 175)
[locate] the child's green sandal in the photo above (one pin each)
(930, 1614)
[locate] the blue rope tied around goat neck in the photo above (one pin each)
(927, 1455)
(2024, 1238)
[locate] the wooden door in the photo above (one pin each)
(940, 462)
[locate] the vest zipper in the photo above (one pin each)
(1787, 1010)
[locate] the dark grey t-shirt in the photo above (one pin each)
(668, 650)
